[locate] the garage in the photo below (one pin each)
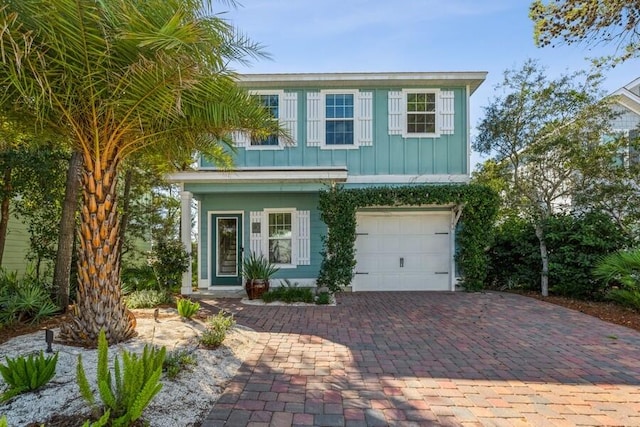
(403, 251)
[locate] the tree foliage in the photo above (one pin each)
(546, 136)
(591, 21)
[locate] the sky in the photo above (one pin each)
(409, 35)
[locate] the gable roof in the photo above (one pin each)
(628, 96)
(473, 79)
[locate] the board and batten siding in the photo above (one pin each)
(254, 202)
(381, 153)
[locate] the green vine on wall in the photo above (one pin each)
(338, 208)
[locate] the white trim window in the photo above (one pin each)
(283, 106)
(420, 116)
(281, 235)
(421, 113)
(339, 119)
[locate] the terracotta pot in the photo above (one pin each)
(256, 287)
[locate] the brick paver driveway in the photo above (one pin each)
(455, 359)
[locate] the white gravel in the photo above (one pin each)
(181, 402)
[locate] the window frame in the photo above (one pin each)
(406, 112)
(280, 144)
(356, 114)
(294, 235)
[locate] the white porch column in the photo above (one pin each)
(185, 227)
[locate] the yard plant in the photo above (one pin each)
(216, 329)
(27, 373)
(131, 389)
(187, 308)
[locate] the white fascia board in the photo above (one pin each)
(253, 175)
(453, 78)
(408, 179)
(628, 99)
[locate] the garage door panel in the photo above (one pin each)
(421, 240)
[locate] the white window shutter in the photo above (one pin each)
(240, 138)
(396, 110)
(447, 114)
(365, 118)
(314, 119)
(255, 239)
(289, 115)
(304, 238)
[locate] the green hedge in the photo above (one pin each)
(338, 208)
(575, 244)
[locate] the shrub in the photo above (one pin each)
(625, 297)
(574, 243)
(129, 392)
(24, 299)
(288, 295)
(187, 308)
(169, 260)
(323, 298)
(27, 374)
(148, 298)
(514, 257)
(217, 328)
(177, 361)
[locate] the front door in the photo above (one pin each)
(227, 249)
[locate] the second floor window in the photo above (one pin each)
(271, 103)
(421, 113)
(339, 119)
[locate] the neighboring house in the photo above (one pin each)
(628, 107)
(348, 129)
(16, 247)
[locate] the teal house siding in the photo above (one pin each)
(389, 154)
(248, 202)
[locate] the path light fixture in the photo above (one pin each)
(48, 337)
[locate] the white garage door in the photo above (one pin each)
(403, 251)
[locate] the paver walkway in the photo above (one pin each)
(419, 358)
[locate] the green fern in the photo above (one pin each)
(187, 308)
(136, 382)
(27, 374)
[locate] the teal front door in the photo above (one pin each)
(227, 249)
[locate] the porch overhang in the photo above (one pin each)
(262, 175)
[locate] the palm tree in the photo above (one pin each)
(118, 77)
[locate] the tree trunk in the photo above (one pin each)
(100, 304)
(544, 256)
(4, 211)
(64, 256)
(124, 220)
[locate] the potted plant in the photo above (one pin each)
(257, 270)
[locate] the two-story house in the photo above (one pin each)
(349, 129)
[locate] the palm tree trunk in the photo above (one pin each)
(126, 203)
(62, 272)
(100, 304)
(4, 211)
